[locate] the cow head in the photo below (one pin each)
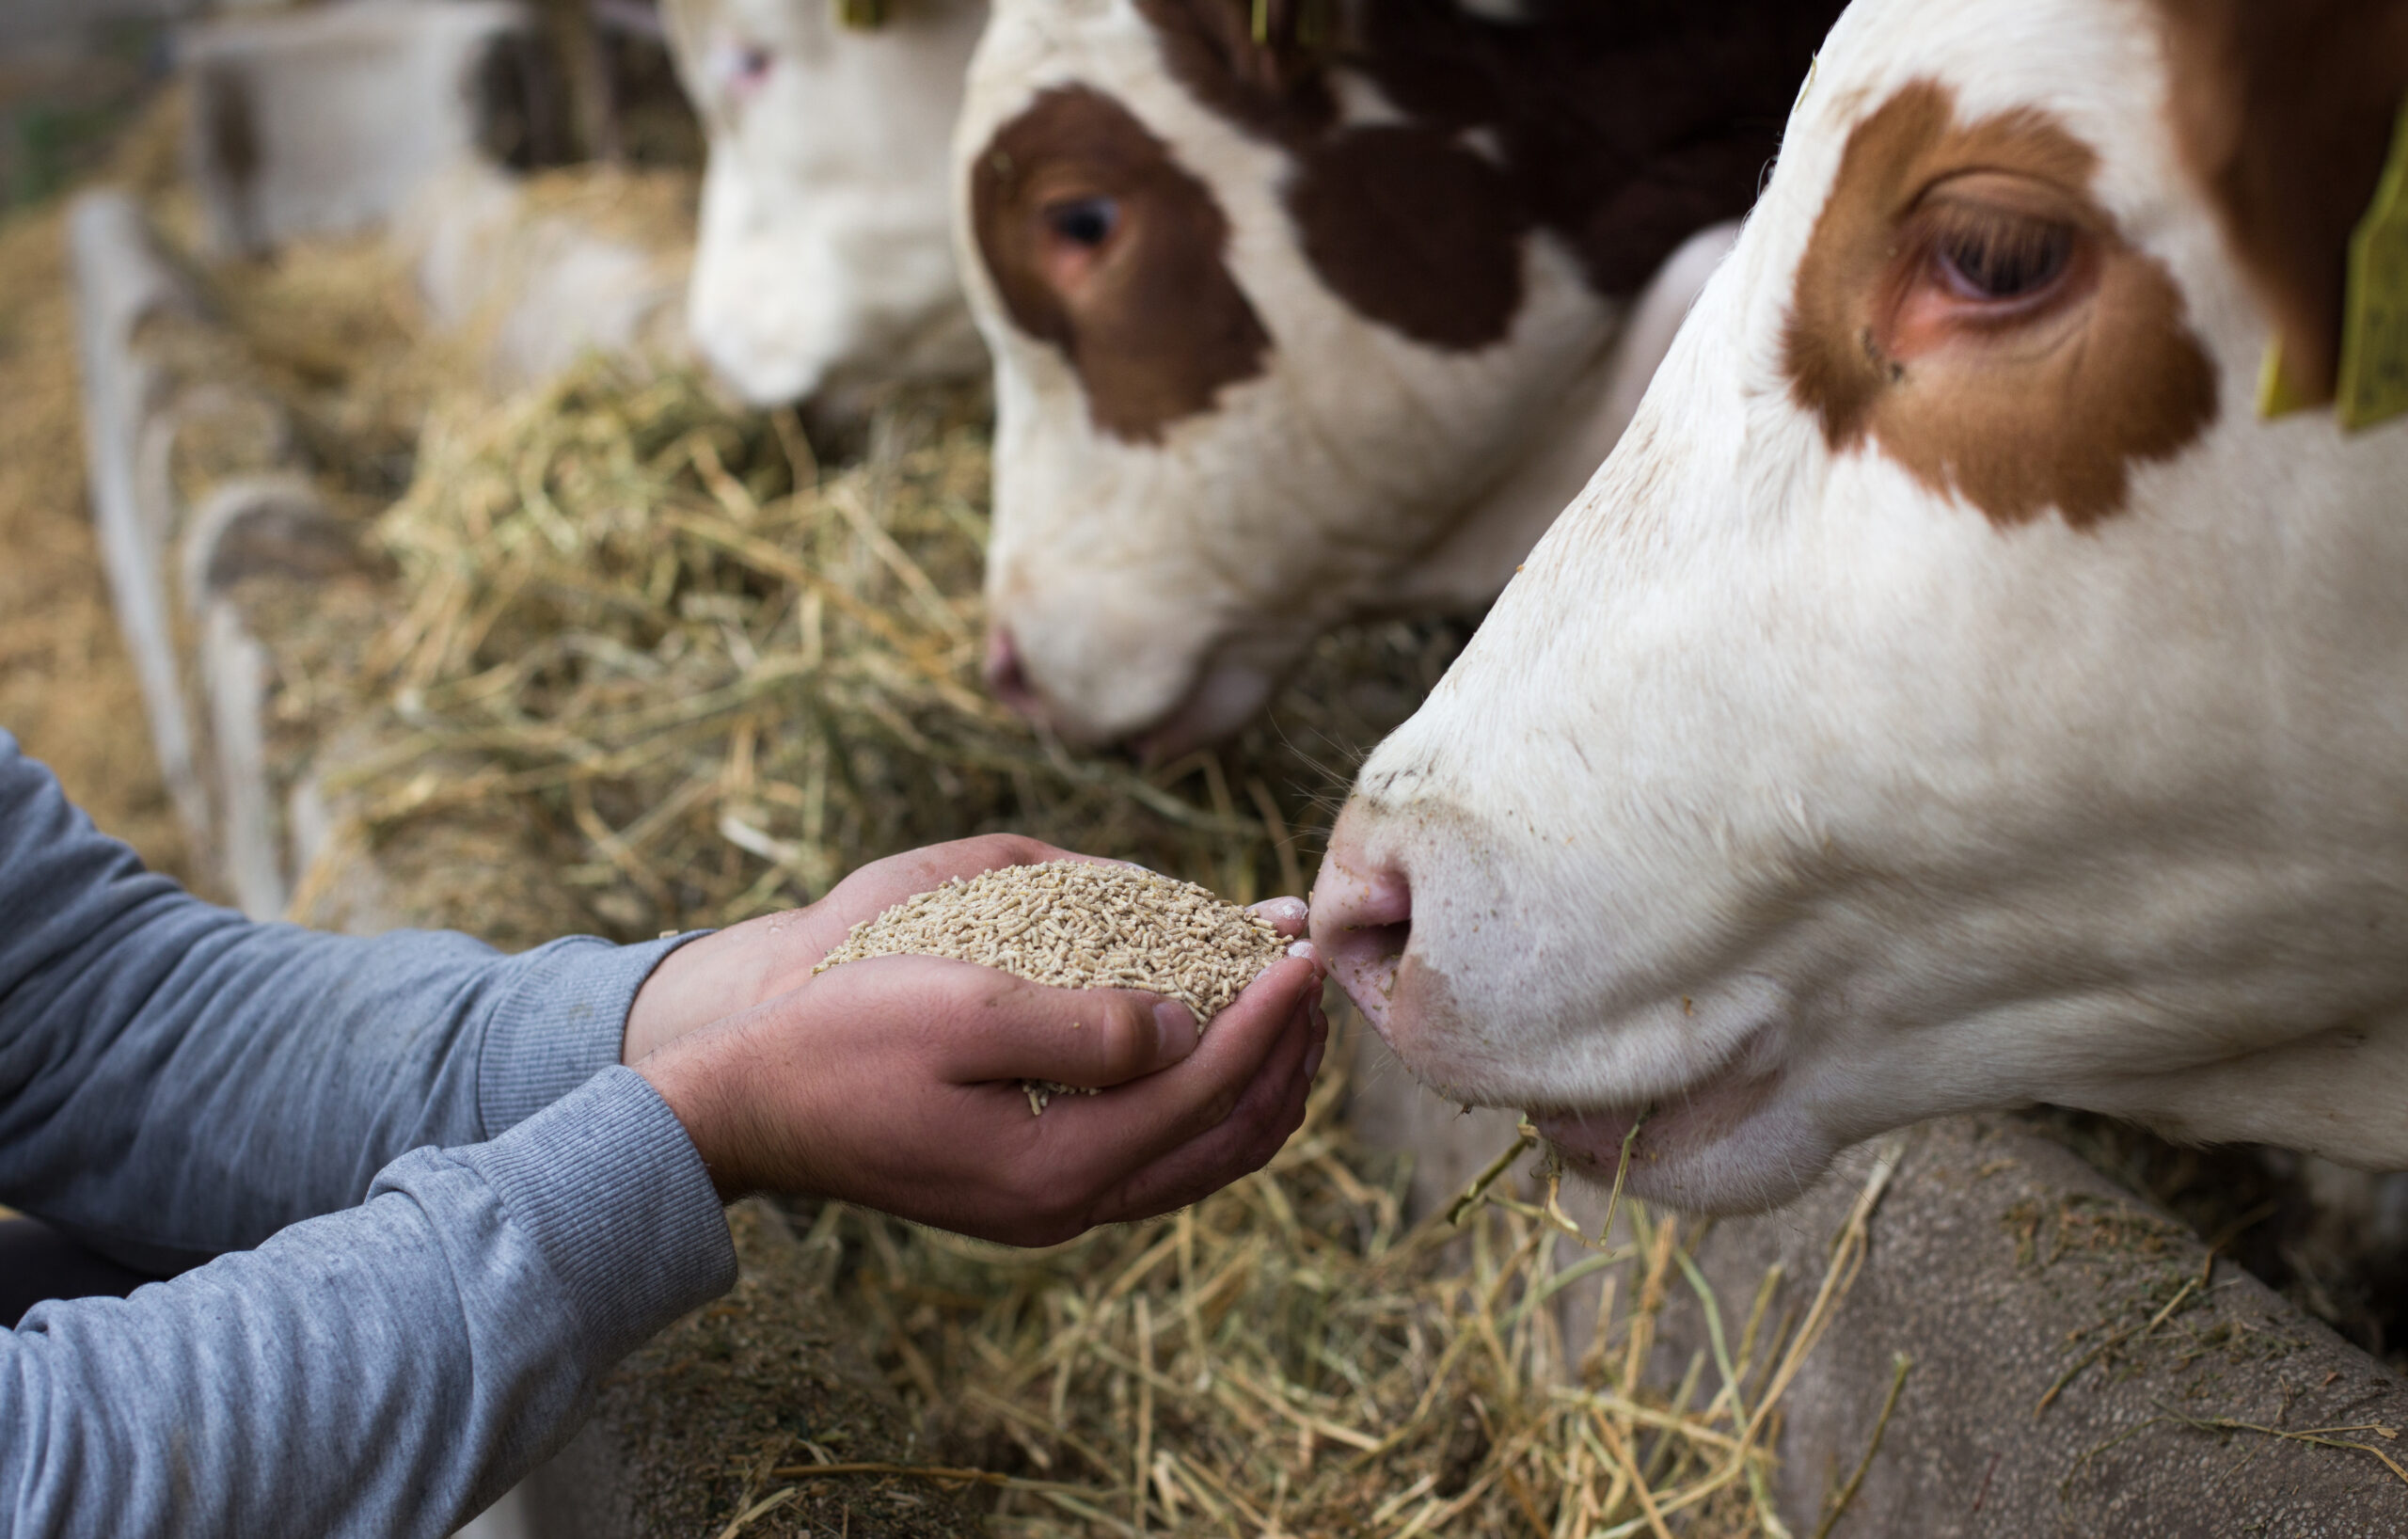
(1953, 692)
(825, 256)
(1312, 321)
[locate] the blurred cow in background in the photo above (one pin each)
(1957, 689)
(825, 260)
(1310, 313)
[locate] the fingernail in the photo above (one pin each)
(1313, 1057)
(1177, 1024)
(1302, 951)
(1283, 909)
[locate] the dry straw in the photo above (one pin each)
(1288, 1357)
(722, 676)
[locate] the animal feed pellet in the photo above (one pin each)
(1075, 925)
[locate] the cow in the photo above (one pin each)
(1980, 674)
(1304, 313)
(824, 262)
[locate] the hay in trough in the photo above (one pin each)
(721, 677)
(1288, 1357)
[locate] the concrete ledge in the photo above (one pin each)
(196, 497)
(2002, 1265)
(1999, 1263)
(122, 282)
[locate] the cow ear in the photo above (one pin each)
(1259, 62)
(2283, 110)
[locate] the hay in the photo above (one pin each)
(1286, 1358)
(723, 678)
(334, 330)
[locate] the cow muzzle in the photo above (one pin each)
(1362, 920)
(1224, 696)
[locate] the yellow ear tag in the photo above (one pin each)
(2373, 385)
(2275, 397)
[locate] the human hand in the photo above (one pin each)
(732, 970)
(894, 1082)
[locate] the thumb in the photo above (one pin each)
(1089, 1038)
(981, 1023)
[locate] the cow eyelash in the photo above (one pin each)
(1991, 255)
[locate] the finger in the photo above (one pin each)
(1285, 914)
(1273, 1109)
(975, 1025)
(1102, 1137)
(1267, 1114)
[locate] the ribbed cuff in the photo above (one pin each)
(613, 1191)
(561, 1024)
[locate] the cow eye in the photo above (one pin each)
(743, 65)
(1084, 221)
(1993, 257)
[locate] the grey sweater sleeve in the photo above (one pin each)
(386, 1371)
(177, 1081)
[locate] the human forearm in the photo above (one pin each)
(177, 1081)
(387, 1370)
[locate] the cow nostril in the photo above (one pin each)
(1006, 678)
(1362, 923)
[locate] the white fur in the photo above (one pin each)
(1361, 473)
(1775, 765)
(826, 259)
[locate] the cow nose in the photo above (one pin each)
(1005, 679)
(1362, 920)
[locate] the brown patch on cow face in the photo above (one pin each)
(2283, 111)
(1965, 305)
(1625, 129)
(1102, 243)
(1415, 230)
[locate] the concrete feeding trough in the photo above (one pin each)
(194, 490)
(2075, 1360)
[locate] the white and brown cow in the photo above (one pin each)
(1953, 692)
(1303, 314)
(825, 260)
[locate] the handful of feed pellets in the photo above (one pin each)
(1075, 924)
